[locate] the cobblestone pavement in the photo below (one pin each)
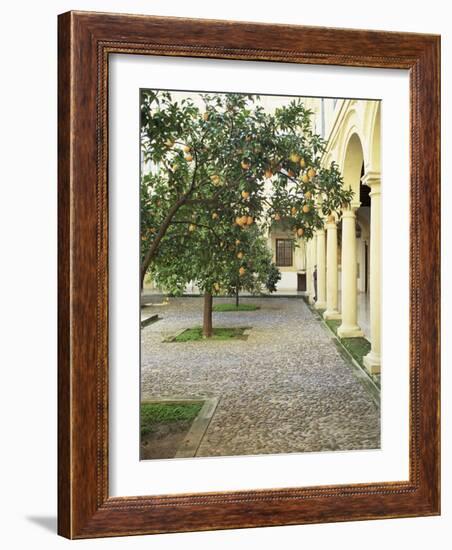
(285, 389)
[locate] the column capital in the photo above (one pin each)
(331, 222)
(373, 180)
(350, 210)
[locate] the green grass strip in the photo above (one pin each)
(156, 413)
(233, 307)
(195, 334)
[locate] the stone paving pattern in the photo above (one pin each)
(285, 389)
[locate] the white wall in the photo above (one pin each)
(28, 274)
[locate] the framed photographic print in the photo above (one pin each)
(248, 275)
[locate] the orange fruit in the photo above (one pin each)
(191, 227)
(186, 148)
(249, 220)
(242, 271)
(214, 216)
(188, 157)
(293, 210)
(268, 174)
(307, 195)
(311, 173)
(245, 194)
(302, 163)
(239, 255)
(277, 217)
(306, 208)
(305, 178)
(245, 164)
(294, 157)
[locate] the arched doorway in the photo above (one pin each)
(353, 264)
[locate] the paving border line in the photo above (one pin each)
(360, 373)
(149, 320)
(192, 440)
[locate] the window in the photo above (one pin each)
(284, 249)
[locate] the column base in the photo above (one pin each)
(332, 314)
(349, 332)
(320, 305)
(372, 363)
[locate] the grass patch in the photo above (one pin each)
(357, 347)
(233, 307)
(195, 334)
(158, 413)
(333, 324)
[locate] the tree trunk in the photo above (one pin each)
(237, 297)
(207, 322)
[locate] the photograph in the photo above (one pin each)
(260, 246)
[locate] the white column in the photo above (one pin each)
(321, 270)
(372, 361)
(349, 327)
(331, 270)
(309, 282)
(313, 243)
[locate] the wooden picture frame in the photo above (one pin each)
(86, 40)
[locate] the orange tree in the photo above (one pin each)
(213, 168)
(250, 267)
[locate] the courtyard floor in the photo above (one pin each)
(284, 389)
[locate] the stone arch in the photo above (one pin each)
(375, 157)
(353, 164)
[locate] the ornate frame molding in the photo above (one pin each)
(85, 42)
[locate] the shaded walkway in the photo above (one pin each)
(285, 389)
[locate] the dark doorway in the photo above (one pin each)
(301, 283)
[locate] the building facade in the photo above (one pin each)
(343, 259)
